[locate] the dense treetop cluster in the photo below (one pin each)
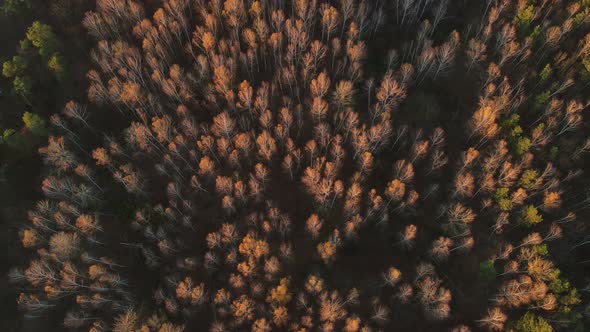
(313, 165)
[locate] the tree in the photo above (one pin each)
(64, 245)
(445, 53)
(352, 324)
(57, 65)
(494, 320)
(15, 67)
(395, 190)
(330, 19)
(366, 162)
(42, 36)
(223, 125)
(242, 308)
(389, 94)
(130, 178)
(35, 124)
(280, 295)
(314, 225)
(530, 322)
(465, 184)
(288, 165)
(408, 236)
(29, 238)
(404, 171)
(126, 322)
(459, 219)
(22, 85)
(12, 139)
(222, 80)
(461, 328)
(518, 292)
(320, 86)
(319, 109)
(540, 269)
(441, 248)
(16, 6)
(331, 307)
(483, 122)
(101, 156)
(551, 200)
(130, 94)
(476, 52)
(392, 276)
(528, 179)
(87, 224)
(405, 293)
(266, 145)
(223, 185)
(434, 298)
(530, 216)
(206, 166)
(261, 325)
(326, 250)
(343, 94)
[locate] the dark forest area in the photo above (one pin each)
(295, 165)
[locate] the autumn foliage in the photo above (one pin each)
(272, 168)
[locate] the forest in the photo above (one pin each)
(295, 165)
